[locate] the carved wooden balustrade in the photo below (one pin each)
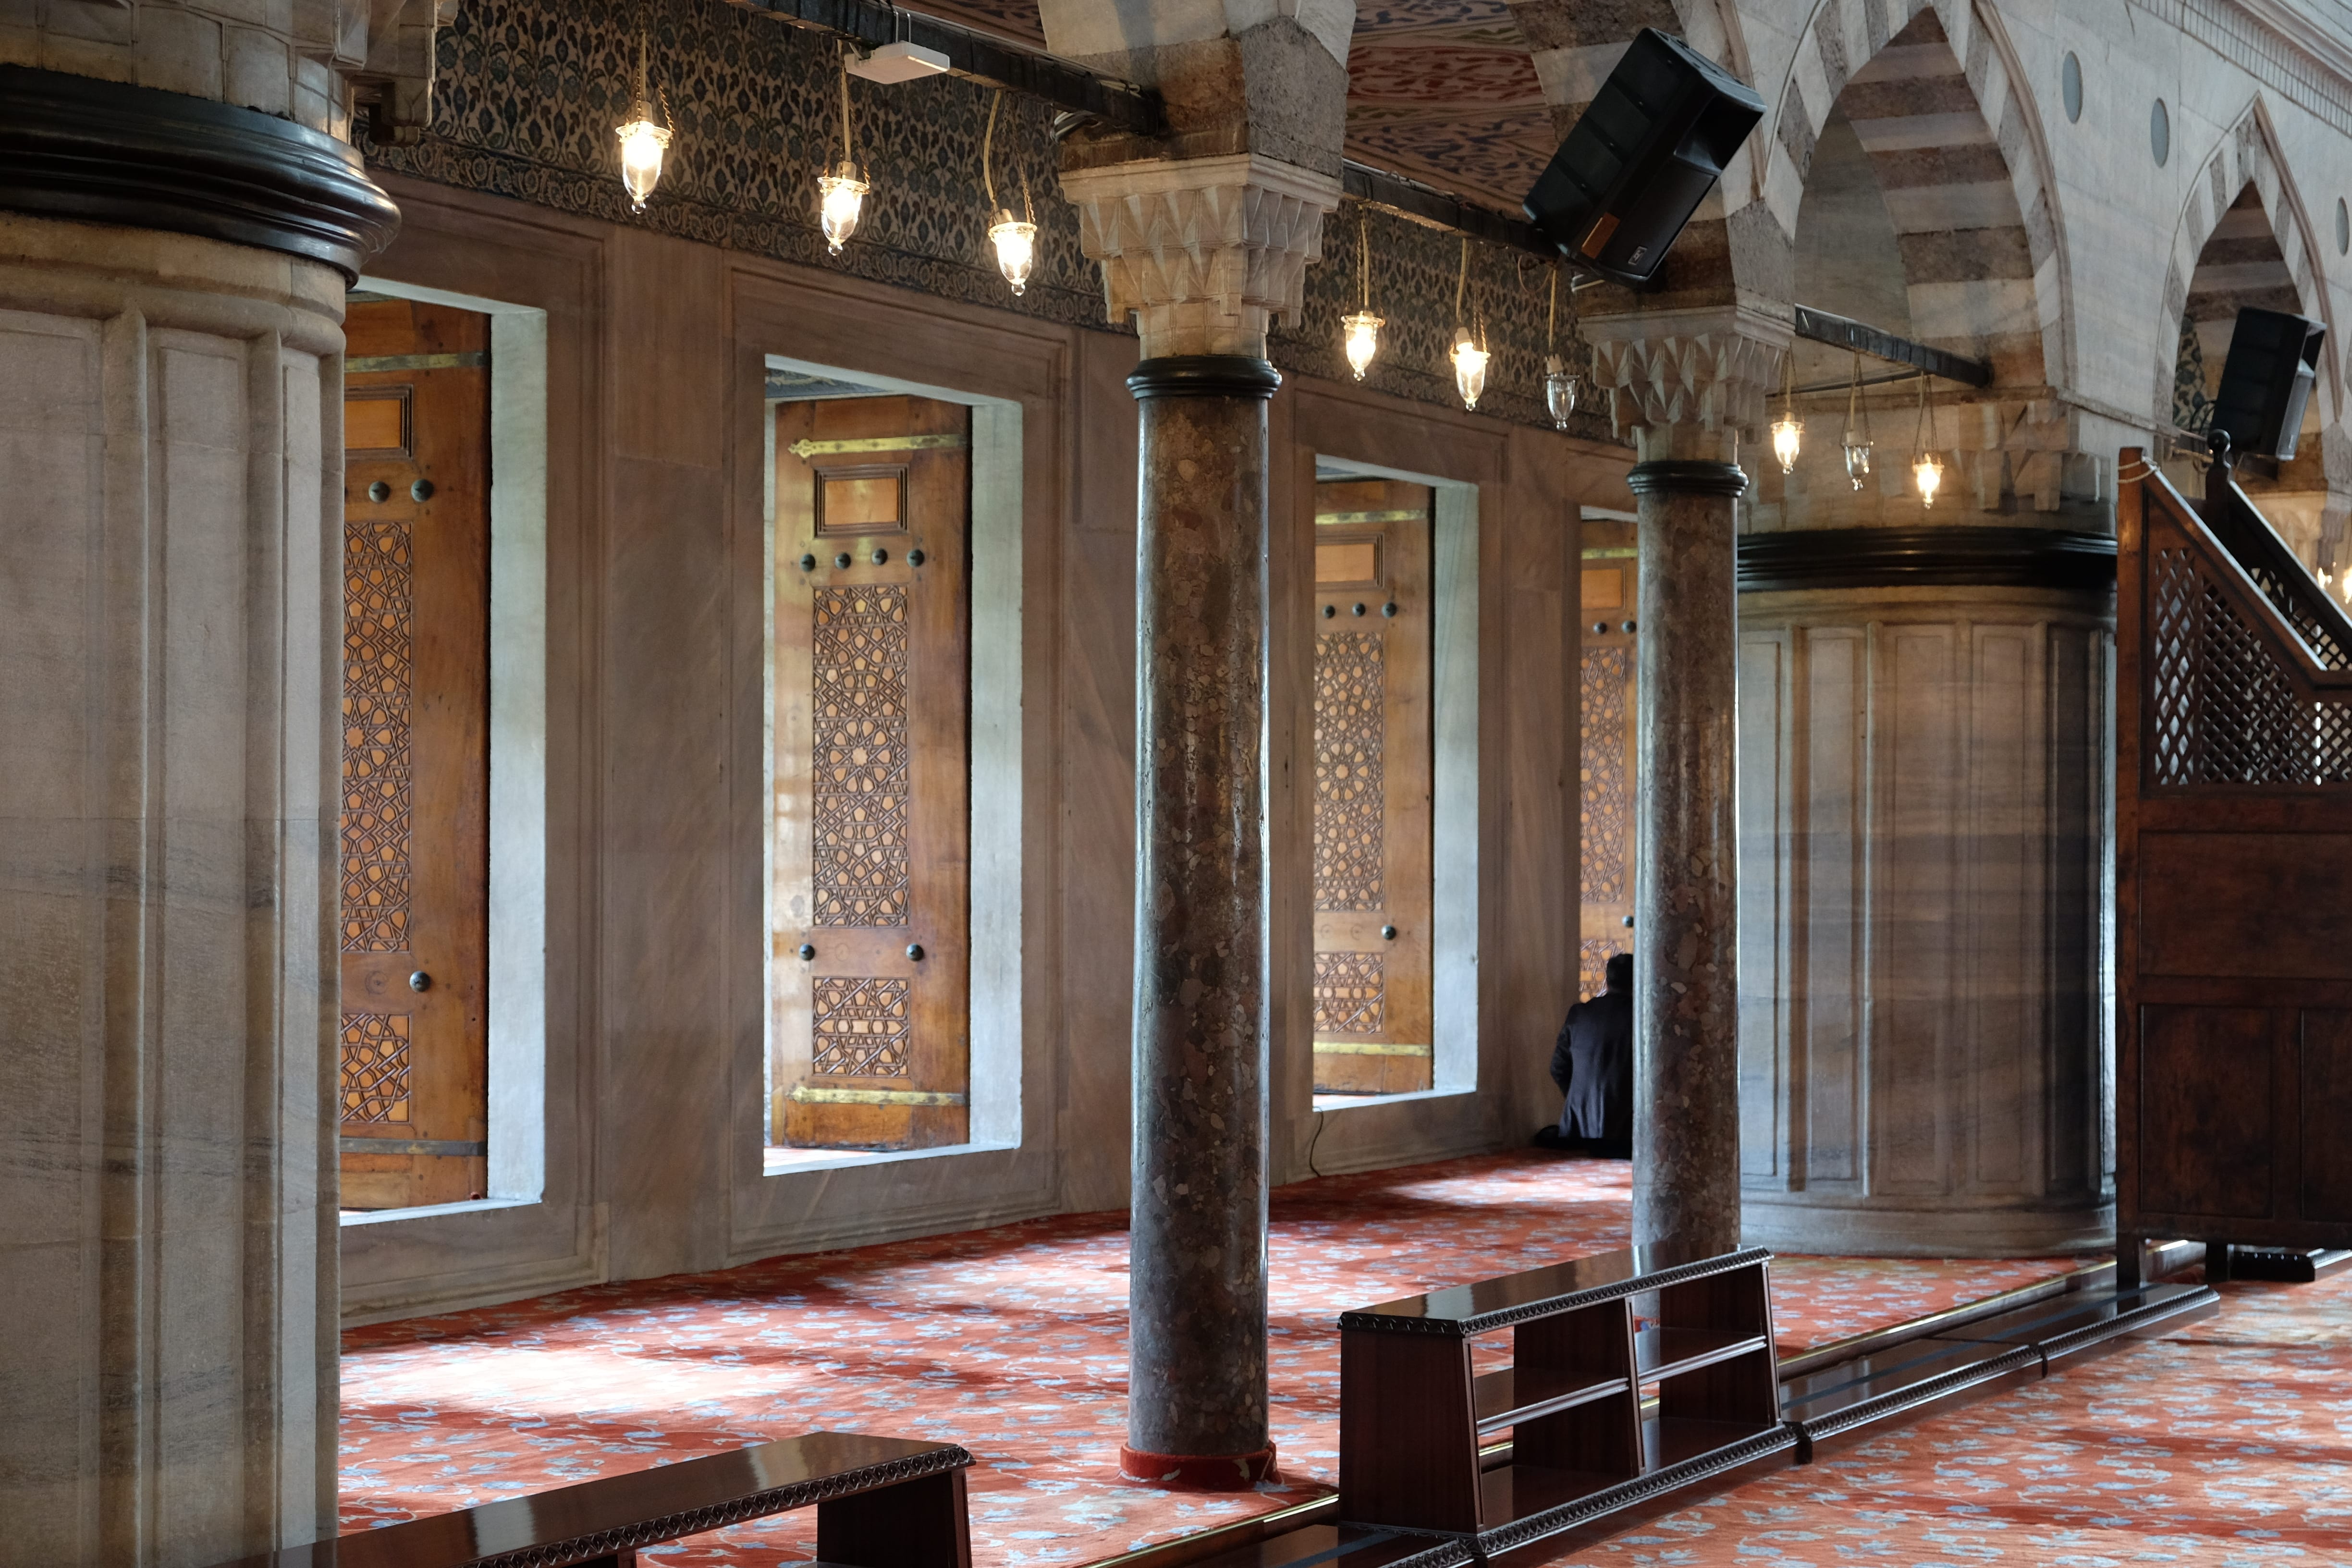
(2233, 863)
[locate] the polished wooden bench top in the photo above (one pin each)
(1498, 1304)
(615, 1514)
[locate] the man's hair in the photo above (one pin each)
(1619, 974)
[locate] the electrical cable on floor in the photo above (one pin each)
(1314, 1141)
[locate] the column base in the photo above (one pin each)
(1199, 1472)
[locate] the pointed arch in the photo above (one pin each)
(1575, 46)
(1842, 40)
(2247, 157)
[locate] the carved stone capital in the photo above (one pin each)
(1705, 374)
(1203, 252)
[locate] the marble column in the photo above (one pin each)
(172, 279)
(1685, 384)
(1686, 879)
(1201, 253)
(1197, 1287)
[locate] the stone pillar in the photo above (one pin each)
(172, 278)
(1201, 253)
(1686, 881)
(1687, 384)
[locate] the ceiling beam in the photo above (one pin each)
(1843, 331)
(1073, 89)
(1427, 204)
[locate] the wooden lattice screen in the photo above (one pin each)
(2233, 865)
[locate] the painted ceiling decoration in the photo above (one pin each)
(1444, 91)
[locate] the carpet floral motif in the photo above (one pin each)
(1011, 1342)
(2223, 1445)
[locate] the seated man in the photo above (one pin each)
(1592, 1062)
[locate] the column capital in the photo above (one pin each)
(1687, 384)
(1203, 252)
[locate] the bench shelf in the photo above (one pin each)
(881, 1502)
(1601, 1417)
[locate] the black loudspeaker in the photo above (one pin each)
(1647, 150)
(2266, 382)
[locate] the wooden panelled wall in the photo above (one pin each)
(654, 1084)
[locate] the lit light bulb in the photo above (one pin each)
(642, 144)
(1469, 367)
(1016, 247)
(1928, 474)
(1857, 459)
(1560, 392)
(1363, 340)
(643, 138)
(1787, 436)
(840, 196)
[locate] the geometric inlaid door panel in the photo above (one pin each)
(413, 840)
(1608, 744)
(1372, 627)
(870, 959)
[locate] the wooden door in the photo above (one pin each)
(414, 829)
(869, 1035)
(1609, 745)
(1373, 622)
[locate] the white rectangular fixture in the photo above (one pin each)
(898, 62)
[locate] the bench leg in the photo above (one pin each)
(915, 1524)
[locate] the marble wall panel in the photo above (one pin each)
(1940, 827)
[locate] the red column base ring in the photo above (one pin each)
(1199, 1472)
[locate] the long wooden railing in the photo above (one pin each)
(2233, 861)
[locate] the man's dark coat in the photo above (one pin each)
(1593, 1064)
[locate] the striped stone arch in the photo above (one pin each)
(1959, 149)
(2246, 159)
(1746, 238)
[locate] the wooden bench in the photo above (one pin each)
(1413, 1417)
(881, 1502)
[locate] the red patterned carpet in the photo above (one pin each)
(1011, 1342)
(2227, 1445)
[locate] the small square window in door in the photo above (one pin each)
(867, 499)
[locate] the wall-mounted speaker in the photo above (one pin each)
(1650, 147)
(2266, 382)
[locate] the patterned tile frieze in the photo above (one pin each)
(1350, 797)
(526, 93)
(861, 1027)
(858, 671)
(1351, 994)
(374, 1076)
(375, 827)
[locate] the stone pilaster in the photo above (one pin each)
(178, 224)
(1687, 385)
